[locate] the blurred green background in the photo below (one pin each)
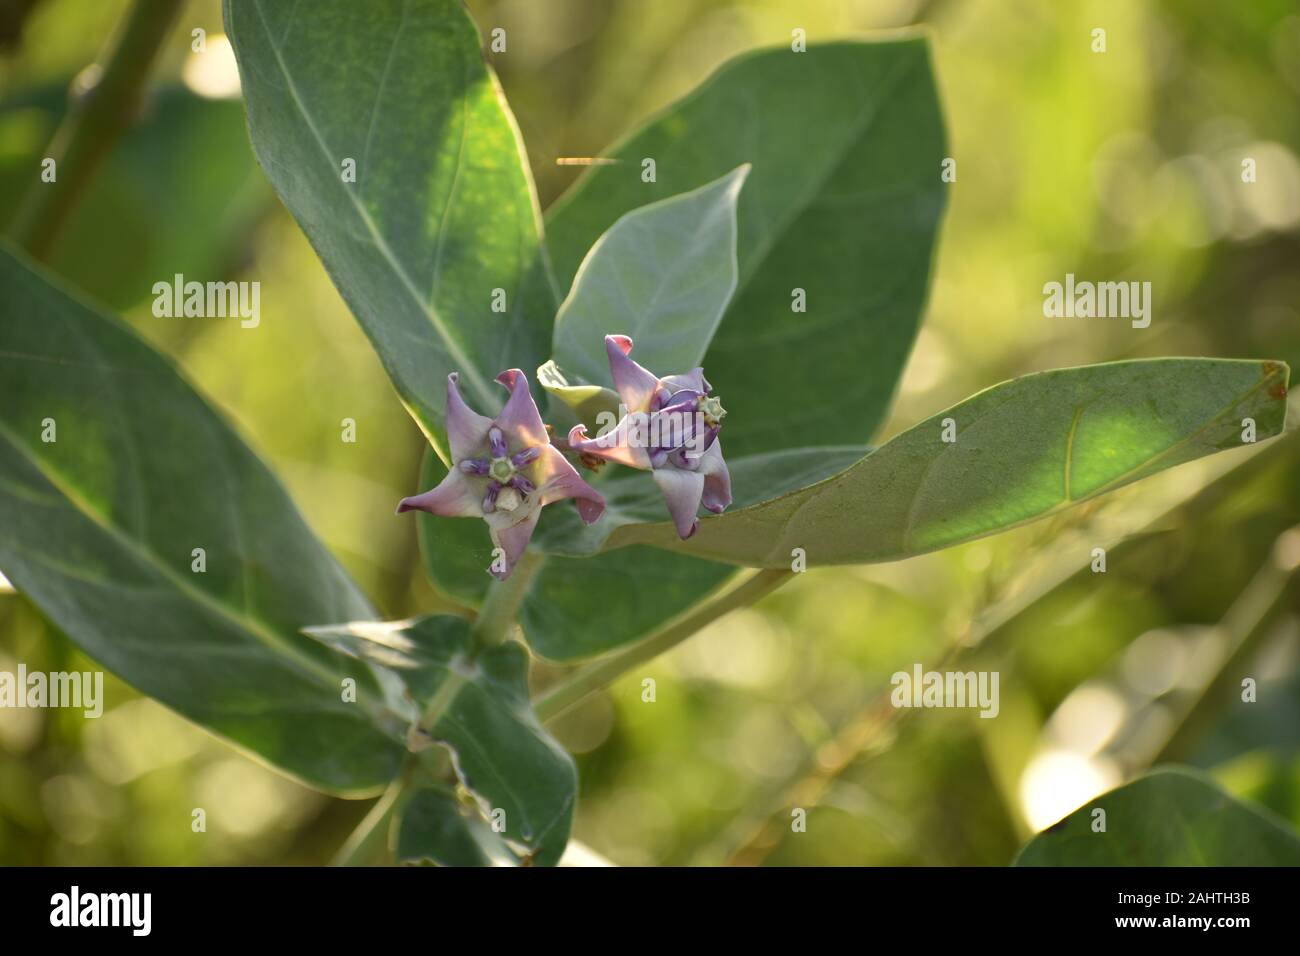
(1117, 165)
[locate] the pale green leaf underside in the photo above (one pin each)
(1169, 817)
(1023, 450)
(662, 274)
(442, 213)
(99, 528)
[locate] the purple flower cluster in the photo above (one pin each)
(505, 470)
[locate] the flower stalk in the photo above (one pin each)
(496, 620)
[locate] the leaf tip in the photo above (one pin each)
(1280, 371)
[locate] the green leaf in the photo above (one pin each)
(442, 212)
(581, 607)
(478, 707)
(435, 829)
(100, 526)
(844, 201)
(1023, 450)
(662, 274)
(1169, 817)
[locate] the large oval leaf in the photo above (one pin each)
(442, 212)
(1170, 817)
(662, 274)
(843, 202)
(102, 521)
(1020, 451)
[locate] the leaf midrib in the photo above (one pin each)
(263, 631)
(459, 357)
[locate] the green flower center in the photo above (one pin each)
(712, 410)
(501, 469)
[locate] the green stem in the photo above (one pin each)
(495, 622)
(369, 841)
(371, 835)
(586, 680)
(95, 119)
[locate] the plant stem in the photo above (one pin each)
(96, 117)
(371, 834)
(369, 840)
(599, 673)
(495, 622)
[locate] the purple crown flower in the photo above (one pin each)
(504, 470)
(670, 428)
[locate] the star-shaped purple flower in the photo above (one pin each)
(504, 470)
(670, 428)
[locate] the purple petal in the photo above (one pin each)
(717, 479)
(453, 498)
(635, 386)
(466, 428)
(689, 453)
(625, 444)
(490, 497)
(497, 442)
(682, 398)
(520, 419)
(682, 491)
(474, 466)
(693, 380)
(558, 480)
(522, 485)
(674, 427)
(513, 540)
